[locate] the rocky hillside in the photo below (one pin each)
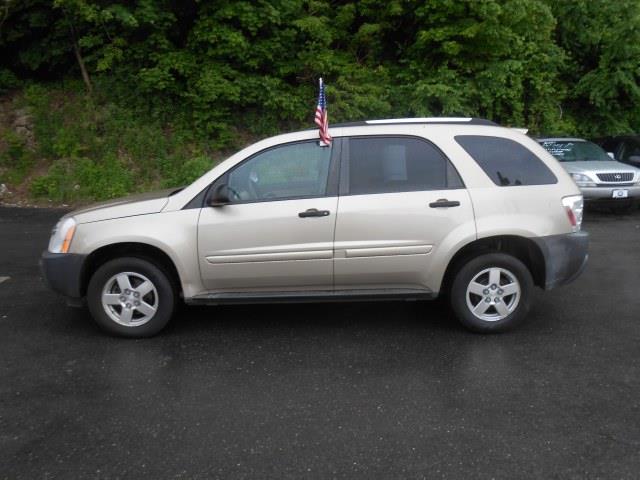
(63, 147)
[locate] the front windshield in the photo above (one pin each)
(574, 151)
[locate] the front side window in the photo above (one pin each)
(505, 161)
(575, 150)
(630, 149)
(295, 170)
(397, 164)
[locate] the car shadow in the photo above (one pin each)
(418, 315)
(604, 212)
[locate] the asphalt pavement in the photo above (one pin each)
(355, 390)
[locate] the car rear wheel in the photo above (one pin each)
(131, 297)
(492, 293)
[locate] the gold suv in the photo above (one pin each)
(393, 209)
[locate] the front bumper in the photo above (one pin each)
(63, 273)
(565, 257)
(606, 193)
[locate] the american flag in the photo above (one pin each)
(321, 117)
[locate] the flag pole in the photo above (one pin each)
(321, 117)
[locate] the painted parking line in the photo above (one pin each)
(4, 279)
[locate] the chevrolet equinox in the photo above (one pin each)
(404, 209)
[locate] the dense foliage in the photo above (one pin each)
(203, 75)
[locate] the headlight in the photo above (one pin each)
(582, 180)
(62, 235)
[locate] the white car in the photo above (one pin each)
(599, 176)
(394, 209)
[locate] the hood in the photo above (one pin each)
(141, 204)
(598, 166)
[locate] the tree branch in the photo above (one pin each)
(78, 53)
(5, 13)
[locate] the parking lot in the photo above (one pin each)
(355, 390)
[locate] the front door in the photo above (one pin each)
(277, 232)
(400, 201)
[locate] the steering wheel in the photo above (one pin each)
(234, 193)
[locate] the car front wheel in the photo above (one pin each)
(492, 293)
(131, 297)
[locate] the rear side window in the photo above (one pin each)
(506, 162)
(397, 164)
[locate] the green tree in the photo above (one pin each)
(602, 41)
(494, 59)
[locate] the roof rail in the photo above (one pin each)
(432, 120)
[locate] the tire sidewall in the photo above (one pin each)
(469, 270)
(160, 279)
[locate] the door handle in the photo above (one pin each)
(444, 203)
(314, 212)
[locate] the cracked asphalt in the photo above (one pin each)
(355, 390)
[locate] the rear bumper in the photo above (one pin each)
(565, 257)
(63, 273)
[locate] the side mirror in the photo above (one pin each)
(220, 196)
(634, 159)
(611, 155)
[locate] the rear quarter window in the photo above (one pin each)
(505, 161)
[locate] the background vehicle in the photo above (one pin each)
(393, 209)
(600, 177)
(625, 148)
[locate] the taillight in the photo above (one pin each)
(574, 206)
(572, 217)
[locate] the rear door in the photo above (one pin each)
(400, 201)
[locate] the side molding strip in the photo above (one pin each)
(271, 257)
(388, 251)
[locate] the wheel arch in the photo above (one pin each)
(103, 254)
(522, 248)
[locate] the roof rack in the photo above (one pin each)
(432, 120)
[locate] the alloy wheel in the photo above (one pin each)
(493, 294)
(130, 299)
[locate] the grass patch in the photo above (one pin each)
(16, 160)
(88, 148)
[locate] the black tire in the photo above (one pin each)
(467, 272)
(165, 301)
